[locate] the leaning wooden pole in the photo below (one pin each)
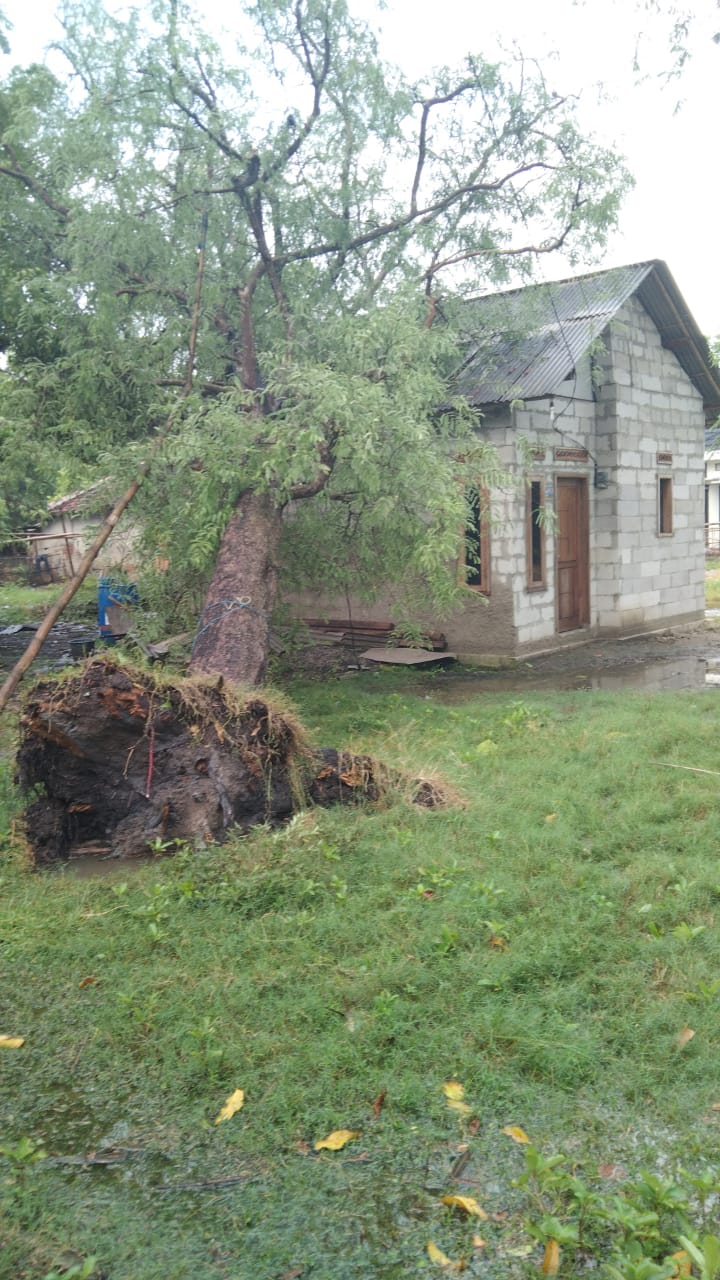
(55, 610)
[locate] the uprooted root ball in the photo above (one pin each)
(128, 761)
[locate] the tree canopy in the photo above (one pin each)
(340, 212)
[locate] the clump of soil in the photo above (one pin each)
(128, 761)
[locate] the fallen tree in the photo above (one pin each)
(129, 761)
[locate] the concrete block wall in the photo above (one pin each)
(648, 406)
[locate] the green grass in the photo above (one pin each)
(20, 603)
(546, 943)
(712, 593)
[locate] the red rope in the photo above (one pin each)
(151, 761)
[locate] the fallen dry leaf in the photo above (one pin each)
(336, 1140)
(686, 1035)
(11, 1042)
(292, 1275)
(478, 1242)
(715, 1106)
(551, 1260)
(233, 1104)
(683, 1264)
(87, 982)
(453, 1089)
(473, 1126)
(379, 1103)
(462, 1108)
(514, 1132)
(550, 817)
(612, 1171)
(467, 1204)
(500, 943)
(442, 1260)
(303, 1148)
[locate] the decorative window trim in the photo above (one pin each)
(478, 533)
(665, 523)
(535, 536)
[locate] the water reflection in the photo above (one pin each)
(661, 675)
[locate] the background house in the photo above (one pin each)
(595, 392)
(56, 548)
(712, 490)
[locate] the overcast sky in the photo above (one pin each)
(666, 129)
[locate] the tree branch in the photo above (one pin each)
(309, 488)
(317, 79)
(255, 217)
(427, 107)
(421, 217)
(32, 184)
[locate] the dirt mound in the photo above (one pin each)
(128, 761)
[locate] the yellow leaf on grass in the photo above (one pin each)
(550, 817)
(462, 1108)
(467, 1204)
(498, 942)
(683, 1264)
(514, 1132)
(551, 1260)
(438, 1256)
(233, 1104)
(685, 1036)
(11, 1042)
(336, 1140)
(453, 1089)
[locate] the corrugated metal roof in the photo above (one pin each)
(522, 344)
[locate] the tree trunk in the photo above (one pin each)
(234, 631)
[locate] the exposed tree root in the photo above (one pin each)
(128, 761)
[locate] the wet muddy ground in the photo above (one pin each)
(56, 651)
(685, 658)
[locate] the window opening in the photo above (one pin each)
(665, 505)
(535, 534)
(477, 541)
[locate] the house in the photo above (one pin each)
(57, 547)
(596, 392)
(712, 491)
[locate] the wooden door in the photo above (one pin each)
(572, 553)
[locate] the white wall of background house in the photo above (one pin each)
(712, 494)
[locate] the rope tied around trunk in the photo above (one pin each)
(226, 607)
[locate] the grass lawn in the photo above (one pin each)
(550, 942)
(712, 582)
(20, 603)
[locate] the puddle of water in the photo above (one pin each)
(687, 672)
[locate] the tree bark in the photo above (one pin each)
(233, 634)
